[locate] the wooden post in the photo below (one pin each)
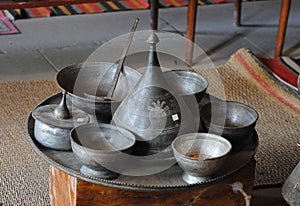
(154, 14)
(283, 19)
(190, 31)
(237, 12)
(235, 190)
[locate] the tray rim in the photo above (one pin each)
(117, 184)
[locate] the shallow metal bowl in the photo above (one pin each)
(187, 83)
(200, 155)
(233, 120)
(88, 83)
(98, 146)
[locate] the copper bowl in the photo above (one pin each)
(233, 120)
(98, 146)
(200, 155)
(87, 84)
(187, 83)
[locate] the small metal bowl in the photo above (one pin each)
(187, 83)
(99, 145)
(233, 120)
(200, 155)
(88, 83)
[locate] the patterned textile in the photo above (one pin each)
(107, 6)
(285, 69)
(244, 78)
(6, 27)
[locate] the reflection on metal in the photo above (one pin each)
(62, 111)
(89, 82)
(200, 155)
(233, 120)
(168, 180)
(291, 187)
(54, 123)
(98, 145)
(121, 62)
(238, 187)
(152, 110)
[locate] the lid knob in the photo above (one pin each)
(62, 111)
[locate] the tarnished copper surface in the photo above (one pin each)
(169, 179)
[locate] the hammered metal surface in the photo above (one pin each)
(168, 180)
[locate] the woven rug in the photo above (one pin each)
(246, 79)
(24, 175)
(285, 69)
(100, 7)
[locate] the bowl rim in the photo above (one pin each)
(78, 66)
(201, 135)
(243, 105)
(203, 79)
(129, 134)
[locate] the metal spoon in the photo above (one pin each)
(120, 67)
(121, 63)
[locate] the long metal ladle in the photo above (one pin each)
(121, 62)
(120, 67)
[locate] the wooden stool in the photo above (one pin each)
(154, 6)
(235, 189)
(191, 25)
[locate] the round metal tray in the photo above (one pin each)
(168, 180)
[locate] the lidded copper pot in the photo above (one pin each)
(54, 122)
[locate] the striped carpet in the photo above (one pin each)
(6, 27)
(108, 6)
(286, 69)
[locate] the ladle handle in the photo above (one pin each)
(122, 60)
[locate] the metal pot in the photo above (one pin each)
(187, 83)
(87, 84)
(53, 124)
(99, 147)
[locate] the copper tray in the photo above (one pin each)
(168, 180)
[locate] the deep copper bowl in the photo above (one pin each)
(88, 83)
(187, 83)
(233, 120)
(98, 146)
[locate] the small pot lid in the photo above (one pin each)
(45, 114)
(59, 116)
